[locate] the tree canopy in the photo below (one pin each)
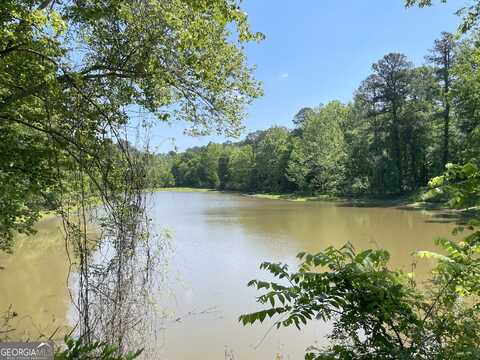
(470, 12)
(75, 72)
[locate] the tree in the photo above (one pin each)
(442, 57)
(223, 166)
(298, 168)
(471, 13)
(302, 115)
(271, 156)
(465, 98)
(421, 138)
(384, 94)
(240, 168)
(74, 75)
(28, 180)
(362, 158)
(208, 166)
(318, 158)
(159, 172)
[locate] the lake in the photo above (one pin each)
(217, 242)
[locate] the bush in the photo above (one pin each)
(378, 313)
(79, 350)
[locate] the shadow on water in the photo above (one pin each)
(444, 215)
(438, 212)
(370, 203)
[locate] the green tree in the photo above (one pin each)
(186, 166)
(208, 166)
(318, 158)
(301, 116)
(223, 166)
(271, 155)
(442, 57)
(240, 168)
(420, 135)
(73, 74)
(298, 168)
(184, 60)
(470, 12)
(159, 171)
(362, 160)
(465, 98)
(384, 94)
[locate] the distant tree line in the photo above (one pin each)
(404, 124)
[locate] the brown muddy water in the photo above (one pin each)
(217, 243)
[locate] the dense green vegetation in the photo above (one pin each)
(76, 349)
(404, 124)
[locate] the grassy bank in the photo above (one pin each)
(391, 200)
(180, 189)
(295, 197)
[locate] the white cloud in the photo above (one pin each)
(283, 76)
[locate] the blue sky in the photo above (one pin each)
(320, 50)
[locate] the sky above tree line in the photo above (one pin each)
(320, 50)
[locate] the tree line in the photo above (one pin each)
(404, 124)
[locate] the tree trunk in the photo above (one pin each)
(397, 150)
(446, 134)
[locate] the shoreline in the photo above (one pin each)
(181, 189)
(405, 202)
(410, 201)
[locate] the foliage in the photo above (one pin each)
(318, 157)
(271, 151)
(159, 173)
(75, 72)
(379, 313)
(395, 102)
(470, 12)
(240, 168)
(442, 57)
(461, 183)
(28, 178)
(78, 78)
(256, 166)
(78, 350)
(465, 92)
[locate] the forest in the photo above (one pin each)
(403, 126)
